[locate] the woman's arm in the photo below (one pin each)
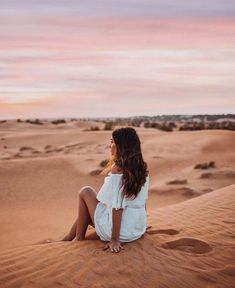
(116, 217)
(114, 244)
(148, 226)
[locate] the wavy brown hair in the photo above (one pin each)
(129, 159)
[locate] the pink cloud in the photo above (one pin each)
(101, 65)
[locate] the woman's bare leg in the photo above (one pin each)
(80, 225)
(86, 200)
(72, 233)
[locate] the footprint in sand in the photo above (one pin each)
(164, 231)
(191, 245)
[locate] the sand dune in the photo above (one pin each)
(186, 247)
(191, 240)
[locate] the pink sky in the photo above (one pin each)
(56, 63)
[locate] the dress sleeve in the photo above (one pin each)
(110, 192)
(118, 201)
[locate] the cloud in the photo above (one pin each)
(91, 65)
(121, 8)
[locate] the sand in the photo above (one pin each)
(190, 243)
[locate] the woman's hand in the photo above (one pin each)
(115, 246)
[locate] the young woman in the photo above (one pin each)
(118, 211)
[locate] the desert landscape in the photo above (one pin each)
(190, 208)
(73, 71)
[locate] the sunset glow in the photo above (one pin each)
(101, 59)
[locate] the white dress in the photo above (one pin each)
(134, 216)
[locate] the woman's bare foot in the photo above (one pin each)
(46, 241)
(50, 240)
(67, 238)
(78, 238)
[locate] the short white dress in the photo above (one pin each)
(134, 216)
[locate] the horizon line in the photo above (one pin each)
(120, 117)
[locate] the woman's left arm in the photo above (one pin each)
(148, 226)
(117, 218)
(114, 244)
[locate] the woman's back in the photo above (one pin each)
(134, 216)
(111, 192)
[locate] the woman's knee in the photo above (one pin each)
(85, 190)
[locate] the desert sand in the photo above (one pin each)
(191, 211)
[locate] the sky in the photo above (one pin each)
(103, 58)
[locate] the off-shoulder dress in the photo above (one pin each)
(134, 216)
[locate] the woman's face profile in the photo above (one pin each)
(112, 147)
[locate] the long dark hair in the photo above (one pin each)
(129, 159)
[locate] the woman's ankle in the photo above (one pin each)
(67, 238)
(79, 238)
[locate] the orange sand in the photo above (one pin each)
(190, 244)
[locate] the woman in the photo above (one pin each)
(118, 210)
